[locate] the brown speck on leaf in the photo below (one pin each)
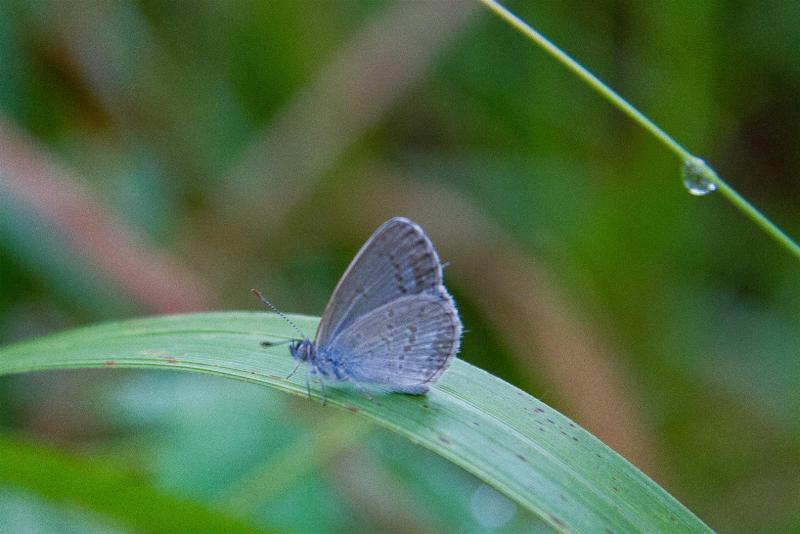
(110, 363)
(353, 409)
(170, 359)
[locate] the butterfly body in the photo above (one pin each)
(390, 325)
(320, 362)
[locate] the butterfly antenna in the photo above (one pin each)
(258, 294)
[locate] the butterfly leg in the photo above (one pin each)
(294, 371)
(308, 384)
(322, 385)
(313, 372)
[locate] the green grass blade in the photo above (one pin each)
(520, 446)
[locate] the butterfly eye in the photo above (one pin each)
(301, 350)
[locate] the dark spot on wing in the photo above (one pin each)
(411, 230)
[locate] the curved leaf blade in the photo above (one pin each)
(517, 444)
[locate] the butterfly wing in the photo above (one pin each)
(401, 346)
(398, 260)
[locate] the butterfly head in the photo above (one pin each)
(302, 350)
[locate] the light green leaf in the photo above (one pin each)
(523, 448)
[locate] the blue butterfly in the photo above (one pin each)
(390, 325)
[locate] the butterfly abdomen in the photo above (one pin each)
(329, 365)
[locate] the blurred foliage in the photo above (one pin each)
(151, 105)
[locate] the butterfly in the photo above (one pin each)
(390, 325)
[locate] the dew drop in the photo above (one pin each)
(694, 180)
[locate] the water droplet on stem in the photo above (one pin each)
(694, 178)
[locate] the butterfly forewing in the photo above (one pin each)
(397, 261)
(401, 346)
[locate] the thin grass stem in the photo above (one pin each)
(614, 98)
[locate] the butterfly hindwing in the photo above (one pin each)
(403, 346)
(397, 261)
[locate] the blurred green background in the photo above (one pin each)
(160, 157)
